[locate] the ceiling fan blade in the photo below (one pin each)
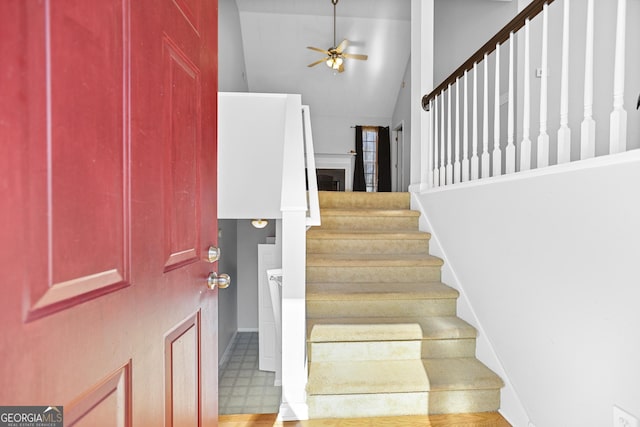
(317, 49)
(342, 46)
(313, 64)
(355, 56)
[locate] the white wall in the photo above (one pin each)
(227, 298)
(462, 27)
(549, 262)
(231, 67)
(251, 131)
(402, 116)
(247, 282)
(336, 135)
(231, 78)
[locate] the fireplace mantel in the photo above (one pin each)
(338, 161)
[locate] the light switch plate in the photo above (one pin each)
(622, 418)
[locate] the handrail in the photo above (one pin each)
(313, 214)
(529, 12)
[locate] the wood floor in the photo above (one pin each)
(492, 419)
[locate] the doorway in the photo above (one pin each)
(398, 161)
(244, 385)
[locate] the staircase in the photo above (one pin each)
(382, 333)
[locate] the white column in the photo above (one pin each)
(588, 127)
(618, 119)
(525, 144)
(436, 142)
(485, 171)
(564, 133)
(456, 163)
(443, 169)
(510, 154)
(449, 169)
(497, 152)
(422, 35)
(543, 138)
(465, 131)
(475, 163)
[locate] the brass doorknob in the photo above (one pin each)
(222, 281)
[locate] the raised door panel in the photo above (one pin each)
(190, 9)
(107, 404)
(182, 374)
(79, 220)
(181, 166)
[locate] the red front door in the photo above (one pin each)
(107, 209)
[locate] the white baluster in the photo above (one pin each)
(465, 131)
(510, 154)
(436, 142)
(564, 133)
(475, 164)
(497, 152)
(443, 175)
(618, 119)
(456, 164)
(543, 138)
(525, 145)
(588, 127)
(485, 121)
(432, 137)
(449, 169)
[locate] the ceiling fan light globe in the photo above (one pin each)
(330, 62)
(338, 61)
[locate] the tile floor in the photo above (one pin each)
(243, 389)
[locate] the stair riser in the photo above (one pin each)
(368, 405)
(391, 246)
(460, 401)
(342, 200)
(432, 349)
(438, 349)
(366, 222)
(373, 274)
(381, 308)
(372, 350)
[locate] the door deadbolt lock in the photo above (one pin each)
(222, 281)
(213, 254)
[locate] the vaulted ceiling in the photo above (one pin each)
(276, 33)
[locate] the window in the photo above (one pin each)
(370, 157)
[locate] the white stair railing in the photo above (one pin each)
(516, 151)
(313, 212)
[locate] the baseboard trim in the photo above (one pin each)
(247, 330)
(298, 411)
(227, 351)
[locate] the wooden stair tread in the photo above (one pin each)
(435, 327)
(355, 199)
(367, 377)
(319, 291)
(367, 234)
(372, 260)
(369, 212)
(460, 374)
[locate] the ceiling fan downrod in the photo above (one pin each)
(334, 2)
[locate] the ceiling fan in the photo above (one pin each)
(336, 55)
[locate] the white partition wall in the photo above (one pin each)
(250, 149)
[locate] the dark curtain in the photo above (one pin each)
(384, 160)
(359, 183)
